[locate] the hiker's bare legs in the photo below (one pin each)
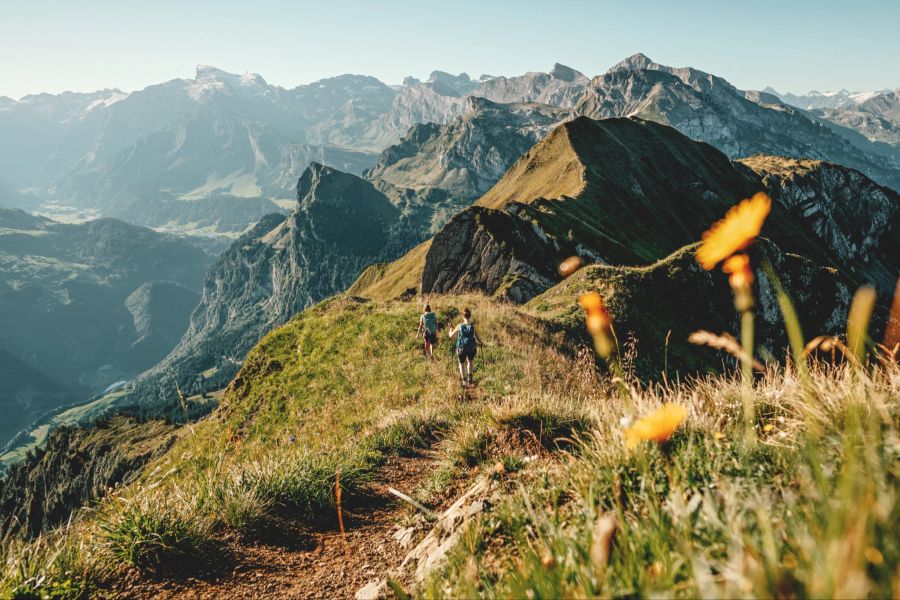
(429, 349)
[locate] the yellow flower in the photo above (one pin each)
(570, 265)
(740, 226)
(658, 426)
(590, 301)
(740, 275)
(597, 321)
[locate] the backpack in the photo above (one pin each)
(429, 319)
(465, 337)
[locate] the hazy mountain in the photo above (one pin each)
(340, 224)
(84, 306)
(813, 99)
(443, 97)
(876, 120)
(469, 154)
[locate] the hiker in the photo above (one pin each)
(466, 346)
(428, 326)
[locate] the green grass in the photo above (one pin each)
(707, 516)
(152, 534)
(343, 386)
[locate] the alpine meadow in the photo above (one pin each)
(626, 333)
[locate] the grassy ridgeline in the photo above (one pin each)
(810, 510)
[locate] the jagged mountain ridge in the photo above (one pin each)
(576, 192)
(708, 108)
(103, 148)
(469, 154)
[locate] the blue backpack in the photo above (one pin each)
(465, 337)
(430, 321)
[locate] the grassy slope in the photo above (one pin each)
(315, 395)
(707, 517)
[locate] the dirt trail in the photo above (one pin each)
(292, 560)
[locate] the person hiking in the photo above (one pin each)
(466, 346)
(428, 327)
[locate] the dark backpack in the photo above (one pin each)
(465, 337)
(429, 319)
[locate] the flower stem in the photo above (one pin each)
(747, 372)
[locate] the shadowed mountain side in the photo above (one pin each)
(85, 306)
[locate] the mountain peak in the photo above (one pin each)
(635, 62)
(550, 169)
(206, 72)
(564, 73)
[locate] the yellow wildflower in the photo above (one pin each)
(570, 265)
(658, 426)
(740, 226)
(597, 321)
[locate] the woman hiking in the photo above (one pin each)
(466, 346)
(428, 326)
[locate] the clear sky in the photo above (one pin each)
(792, 45)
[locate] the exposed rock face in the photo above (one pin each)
(469, 154)
(856, 218)
(486, 250)
(75, 467)
(707, 108)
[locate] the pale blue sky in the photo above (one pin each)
(793, 45)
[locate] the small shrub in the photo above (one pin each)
(237, 503)
(468, 446)
(304, 483)
(151, 534)
(552, 425)
(409, 432)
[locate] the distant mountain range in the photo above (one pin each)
(870, 116)
(814, 99)
(213, 154)
(220, 153)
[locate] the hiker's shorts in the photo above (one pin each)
(462, 354)
(430, 338)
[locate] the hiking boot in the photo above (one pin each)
(463, 383)
(470, 380)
